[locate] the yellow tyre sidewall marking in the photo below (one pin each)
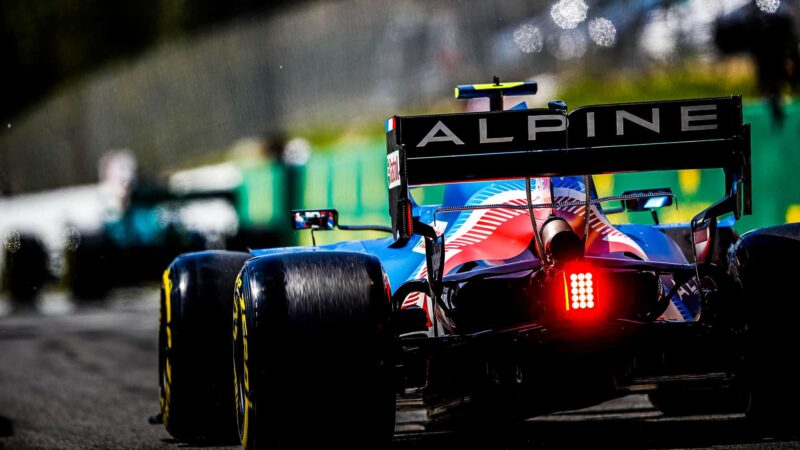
(238, 304)
(165, 402)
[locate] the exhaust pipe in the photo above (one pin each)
(561, 243)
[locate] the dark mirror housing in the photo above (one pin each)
(317, 219)
(649, 203)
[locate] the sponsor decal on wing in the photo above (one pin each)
(393, 169)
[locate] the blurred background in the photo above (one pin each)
(133, 131)
(136, 130)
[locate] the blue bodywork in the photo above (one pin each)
(627, 241)
(402, 263)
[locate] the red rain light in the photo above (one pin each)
(580, 290)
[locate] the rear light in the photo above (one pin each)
(583, 286)
(580, 290)
(585, 294)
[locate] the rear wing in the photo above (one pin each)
(626, 137)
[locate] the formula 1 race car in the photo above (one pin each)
(516, 296)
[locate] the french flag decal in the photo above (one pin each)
(390, 124)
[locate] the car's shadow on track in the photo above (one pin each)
(6, 427)
(174, 443)
(685, 432)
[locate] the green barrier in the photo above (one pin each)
(352, 179)
(776, 176)
(259, 199)
(776, 166)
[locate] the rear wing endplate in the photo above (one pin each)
(627, 137)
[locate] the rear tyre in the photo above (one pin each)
(765, 264)
(313, 352)
(195, 353)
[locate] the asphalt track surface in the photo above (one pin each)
(85, 377)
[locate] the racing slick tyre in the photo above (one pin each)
(313, 352)
(194, 349)
(765, 265)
